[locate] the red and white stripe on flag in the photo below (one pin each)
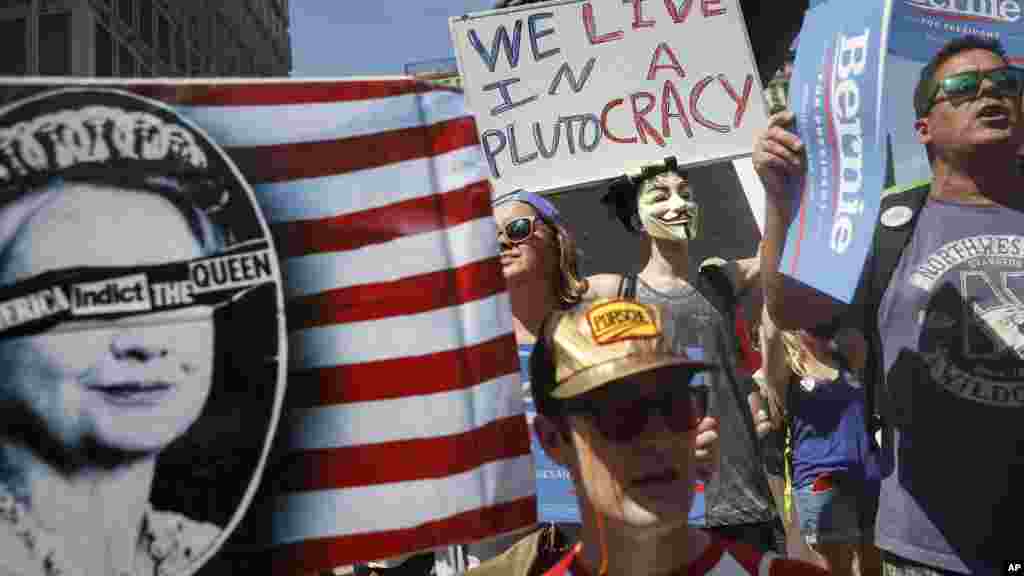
(404, 421)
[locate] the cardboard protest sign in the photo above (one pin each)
(142, 352)
(362, 208)
(574, 91)
(852, 90)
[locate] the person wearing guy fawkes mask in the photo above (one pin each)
(658, 202)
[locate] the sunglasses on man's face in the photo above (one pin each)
(620, 418)
(963, 86)
(517, 230)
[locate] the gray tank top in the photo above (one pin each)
(739, 493)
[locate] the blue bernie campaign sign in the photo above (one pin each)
(697, 508)
(836, 94)
(919, 29)
(556, 495)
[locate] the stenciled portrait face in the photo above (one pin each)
(645, 483)
(666, 208)
(131, 385)
(142, 334)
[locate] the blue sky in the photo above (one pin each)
(371, 37)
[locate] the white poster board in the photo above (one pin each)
(574, 91)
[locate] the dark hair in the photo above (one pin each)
(621, 197)
(926, 83)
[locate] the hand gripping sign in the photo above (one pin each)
(135, 272)
(836, 89)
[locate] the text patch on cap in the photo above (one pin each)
(620, 320)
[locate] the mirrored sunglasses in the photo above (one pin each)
(963, 86)
(519, 229)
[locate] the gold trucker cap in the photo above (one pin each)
(599, 342)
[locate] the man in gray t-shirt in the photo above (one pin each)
(953, 349)
(948, 332)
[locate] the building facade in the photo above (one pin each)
(144, 38)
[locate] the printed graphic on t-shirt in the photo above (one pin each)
(972, 324)
(950, 324)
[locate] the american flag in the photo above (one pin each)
(404, 427)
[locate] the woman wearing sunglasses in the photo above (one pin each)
(539, 262)
(538, 259)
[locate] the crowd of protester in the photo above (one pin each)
(841, 437)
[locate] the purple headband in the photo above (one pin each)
(538, 202)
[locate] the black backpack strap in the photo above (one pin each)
(714, 284)
(627, 287)
(898, 215)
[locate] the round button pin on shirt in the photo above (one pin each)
(897, 216)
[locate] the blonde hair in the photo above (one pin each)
(802, 361)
